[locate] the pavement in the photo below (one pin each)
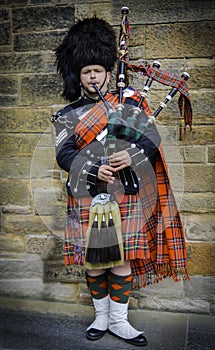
(40, 325)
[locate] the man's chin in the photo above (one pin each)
(91, 93)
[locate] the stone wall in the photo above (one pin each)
(32, 201)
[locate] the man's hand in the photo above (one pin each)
(120, 160)
(105, 173)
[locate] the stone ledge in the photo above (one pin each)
(45, 307)
(20, 266)
(176, 305)
(37, 289)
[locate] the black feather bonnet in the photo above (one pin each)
(89, 41)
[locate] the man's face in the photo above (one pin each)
(94, 74)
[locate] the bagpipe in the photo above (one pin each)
(104, 238)
(154, 73)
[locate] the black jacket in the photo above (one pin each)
(83, 165)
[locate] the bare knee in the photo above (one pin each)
(122, 270)
(95, 272)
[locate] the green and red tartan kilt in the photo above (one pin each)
(152, 231)
(136, 240)
(134, 236)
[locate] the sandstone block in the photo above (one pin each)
(165, 289)
(8, 85)
(201, 78)
(45, 139)
(193, 154)
(44, 198)
(7, 100)
(49, 61)
(61, 292)
(82, 10)
(20, 266)
(177, 153)
(57, 271)
(4, 14)
(42, 18)
(170, 40)
(203, 111)
(17, 209)
(211, 154)
(22, 288)
(41, 90)
(198, 202)
(170, 115)
(23, 224)
(5, 38)
(52, 192)
(12, 243)
(201, 258)
(105, 8)
(19, 62)
(0, 221)
(183, 305)
(18, 145)
(47, 245)
(135, 53)
(15, 167)
(201, 135)
(35, 288)
(37, 41)
(43, 163)
(137, 37)
(15, 192)
(24, 120)
(204, 182)
(200, 288)
(200, 227)
(85, 299)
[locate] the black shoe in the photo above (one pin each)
(140, 340)
(95, 334)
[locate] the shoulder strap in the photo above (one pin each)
(93, 122)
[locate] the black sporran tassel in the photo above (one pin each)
(104, 236)
(103, 245)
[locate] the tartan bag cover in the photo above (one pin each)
(173, 80)
(158, 249)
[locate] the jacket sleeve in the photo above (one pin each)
(66, 154)
(82, 166)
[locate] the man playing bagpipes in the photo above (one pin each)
(122, 223)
